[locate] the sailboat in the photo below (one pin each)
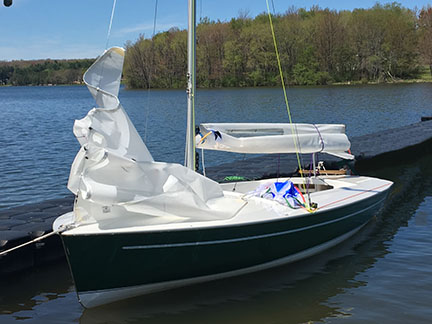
(140, 226)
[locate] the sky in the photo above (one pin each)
(61, 29)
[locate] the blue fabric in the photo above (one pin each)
(286, 189)
(280, 185)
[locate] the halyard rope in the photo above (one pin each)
(110, 24)
(150, 72)
(294, 133)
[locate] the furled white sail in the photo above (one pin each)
(269, 138)
(114, 175)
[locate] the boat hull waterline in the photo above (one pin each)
(112, 266)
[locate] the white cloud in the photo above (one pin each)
(144, 28)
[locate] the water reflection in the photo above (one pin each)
(398, 284)
(24, 295)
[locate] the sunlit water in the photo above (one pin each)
(382, 275)
(37, 146)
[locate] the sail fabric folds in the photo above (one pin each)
(269, 138)
(114, 175)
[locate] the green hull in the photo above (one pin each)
(108, 262)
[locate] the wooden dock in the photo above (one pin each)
(22, 224)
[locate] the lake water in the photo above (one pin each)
(382, 275)
(37, 146)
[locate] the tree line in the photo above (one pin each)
(43, 72)
(317, 46)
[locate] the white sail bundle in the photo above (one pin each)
(271, 138)
(114, 175)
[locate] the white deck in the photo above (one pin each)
(346, 190)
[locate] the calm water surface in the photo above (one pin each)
(37, 146)
(382, 275)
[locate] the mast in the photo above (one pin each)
(190, 128)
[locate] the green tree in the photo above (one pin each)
(425, 35)
(316, 46)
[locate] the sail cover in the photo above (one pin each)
(114, 175)
(269, 138)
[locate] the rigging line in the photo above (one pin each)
(274, 11)
(102, 68)
(354, 195)
(299, 145)
(285, 93)
(150, 72)
(202, 162)
(40, 238)
(110, 24)
(194, 81)
(278, 167)
(154, 19)
(235, 185)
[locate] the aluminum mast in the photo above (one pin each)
(190, 129)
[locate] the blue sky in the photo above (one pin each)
(38, 29)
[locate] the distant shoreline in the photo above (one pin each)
(345, 83)
(41, 85)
